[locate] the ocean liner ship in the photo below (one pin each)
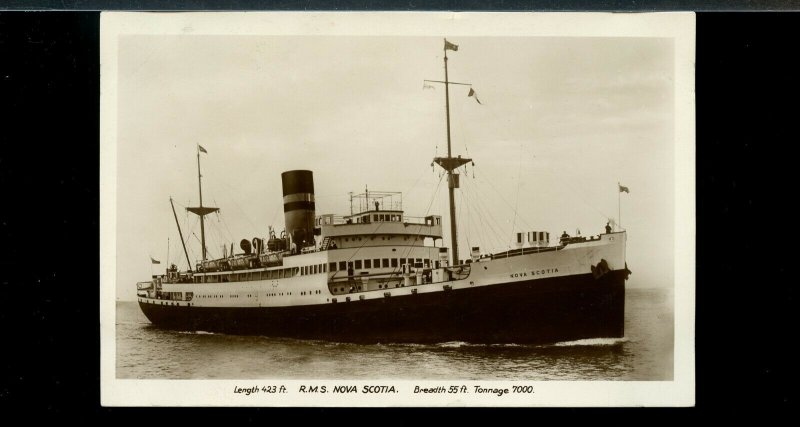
(374, 276)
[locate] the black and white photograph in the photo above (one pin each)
(397, 209)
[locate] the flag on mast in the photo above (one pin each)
(623, 188)
(474, 95)
(153, 261)
(202, 150)
(450, 46)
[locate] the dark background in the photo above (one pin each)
(747, 115)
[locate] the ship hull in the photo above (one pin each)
(524, 312)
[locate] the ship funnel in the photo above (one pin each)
(298, 206)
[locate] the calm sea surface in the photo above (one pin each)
(645, 353)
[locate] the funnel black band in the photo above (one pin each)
(294, 206)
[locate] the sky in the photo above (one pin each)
(562, 121)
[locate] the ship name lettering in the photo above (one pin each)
(534, 272)
(345, 389)
(313, 389)
(378, 389)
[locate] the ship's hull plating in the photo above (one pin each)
(534, 311)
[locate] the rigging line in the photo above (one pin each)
(380, 224)
(217, 238)
(422, 173)
(468, 228)
(471, 226)
(493, 227)
(190, 229)
(427, 212)
(579, 195)
(483, 241)
(462, 134)
(232, 199)
(496, 229)
(516, 202)
(274, 215)
(499, 194)
(221, 220)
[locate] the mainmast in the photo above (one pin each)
(450, 163)
(201, 211)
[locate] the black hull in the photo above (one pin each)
(535, 311)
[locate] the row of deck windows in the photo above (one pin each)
(360, 264)
(313, 269)
(365, 219)
(283, 273)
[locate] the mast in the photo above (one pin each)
(180, 233)
(201, 211)
(450, 183)
(202, 217)
(450, 163)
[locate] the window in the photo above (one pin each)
(383, 217)
(323, 266)
(358, 264)
(385, 263)
(367, 263)
(342, 265)
(394, 262)
(427, 263)
(376, 263)
(314, 269)
(402, 261)
(332, 266)
(350, 265)
(375, 217)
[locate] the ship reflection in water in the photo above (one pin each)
(645, 353)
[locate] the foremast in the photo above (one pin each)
(450, 163)
(201, 210)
